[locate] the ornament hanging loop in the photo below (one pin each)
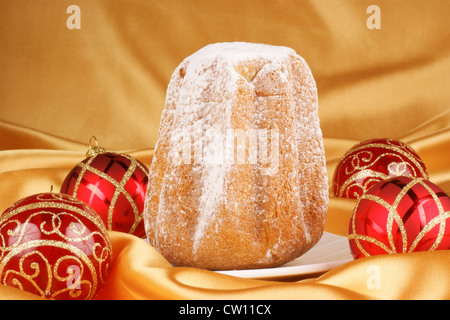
(94, 150)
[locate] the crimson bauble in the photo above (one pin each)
(398, 215)
(372, 161)
(55, 246)
(114, 185)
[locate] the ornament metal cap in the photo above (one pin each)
(94, 150)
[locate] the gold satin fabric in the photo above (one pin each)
(58, 87)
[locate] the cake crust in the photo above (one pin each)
(238, 179)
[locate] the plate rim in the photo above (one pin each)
(284, 271)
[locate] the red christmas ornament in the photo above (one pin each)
(55, 246)
(372, 161)
(114, 185)
(398, 215)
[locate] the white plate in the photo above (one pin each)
(330, 252)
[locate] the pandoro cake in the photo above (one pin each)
(238, 178)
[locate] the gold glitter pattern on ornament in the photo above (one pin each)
(119, 187)
(359, 162)
(30, 236)
(393, 216)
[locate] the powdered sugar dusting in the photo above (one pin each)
(213, 206)
(197, 80)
